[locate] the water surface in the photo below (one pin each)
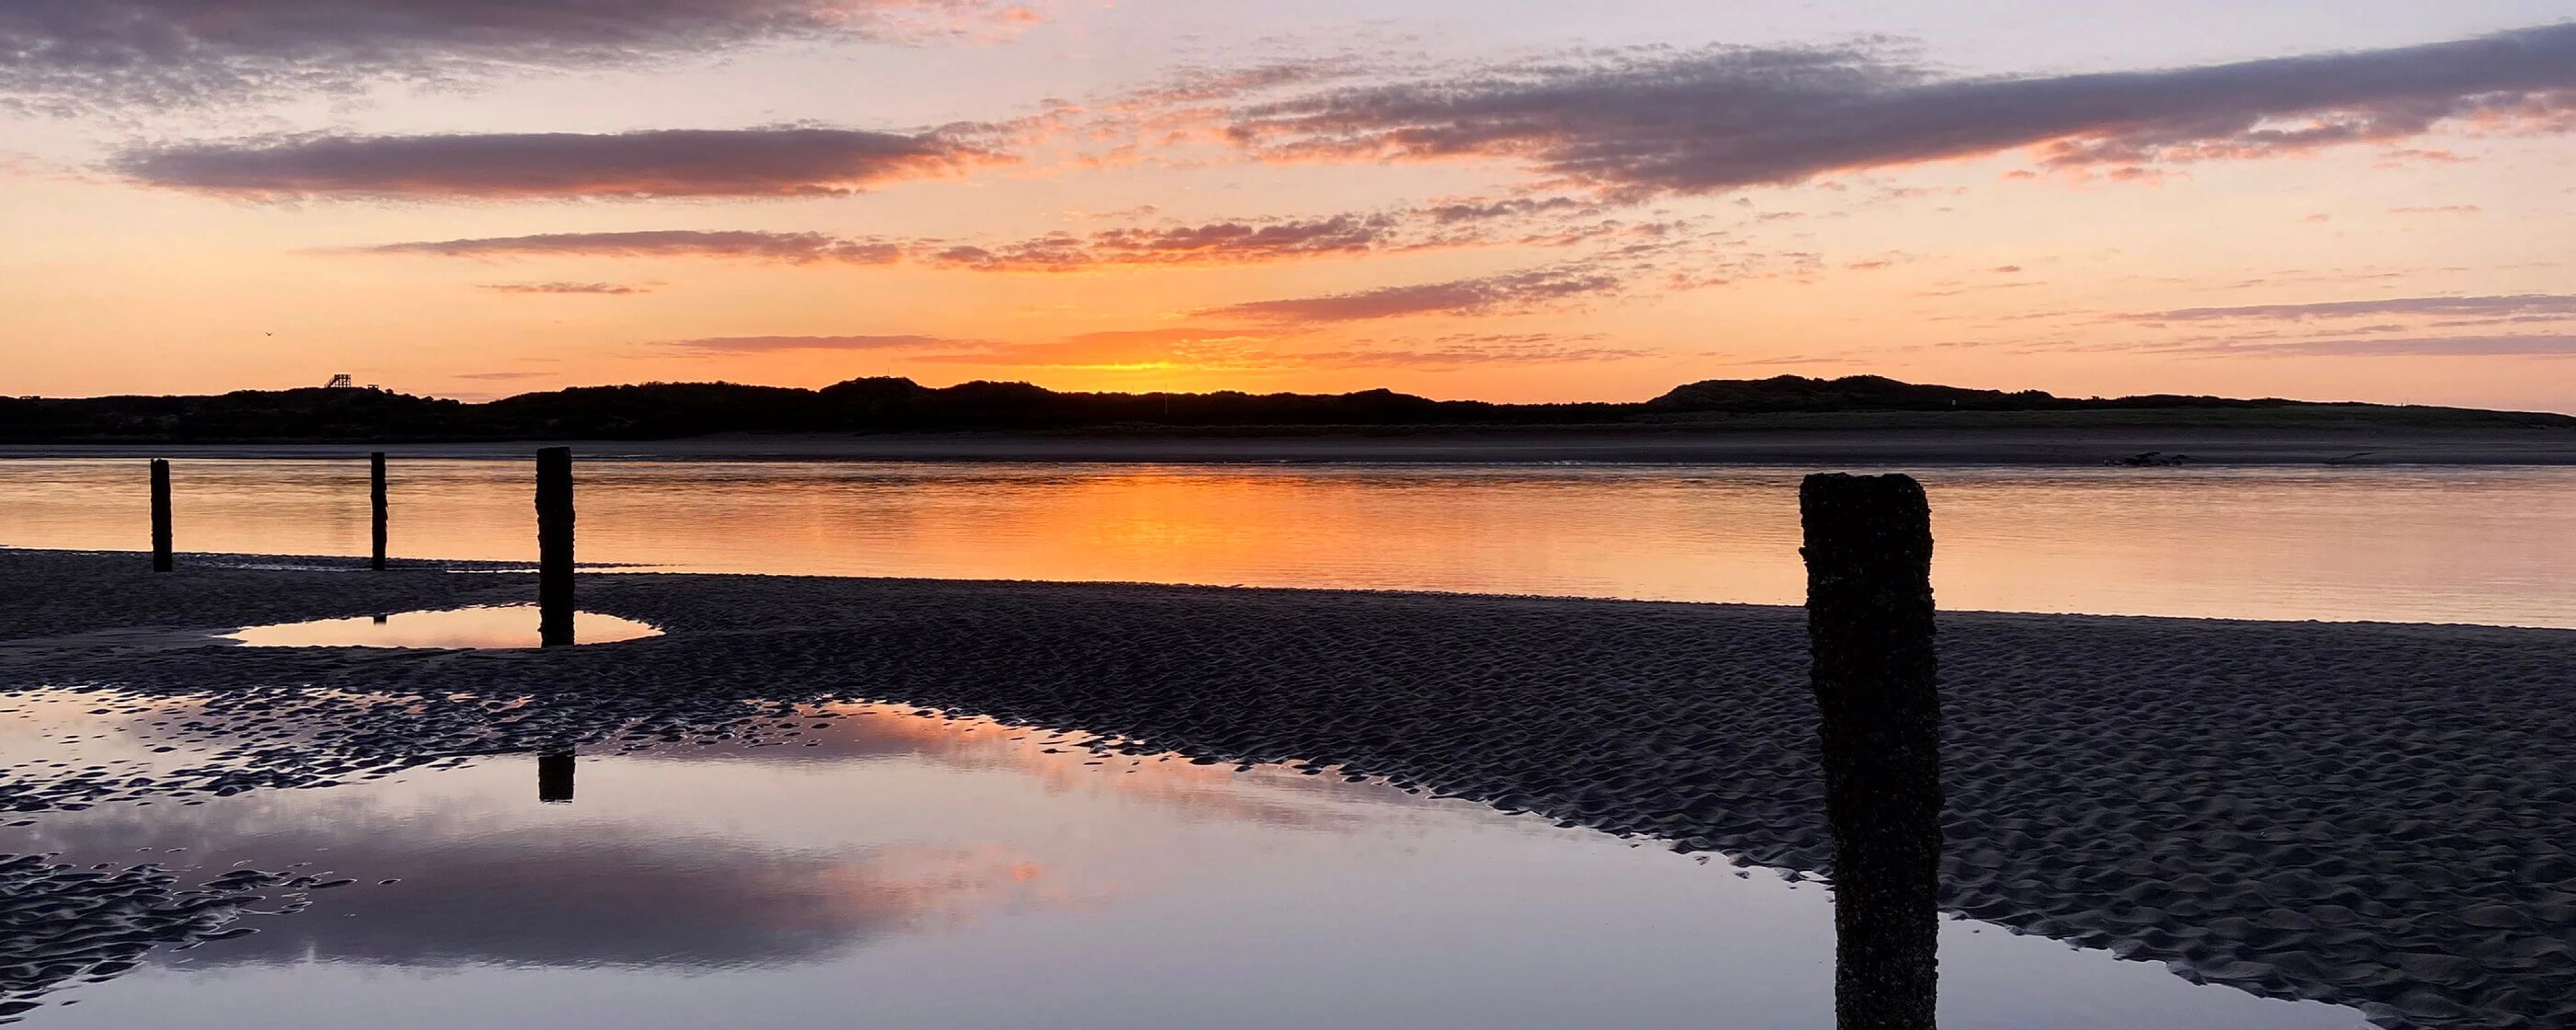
(2418, 544)
(895, 869)
(480, 626)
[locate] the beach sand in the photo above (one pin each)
(2371, 815)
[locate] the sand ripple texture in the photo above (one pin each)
(58, 922)
(2370, 815)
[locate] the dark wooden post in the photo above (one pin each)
(1869, 638)
(160, 514)
(554, 545)
(376, 499)
(554, 777)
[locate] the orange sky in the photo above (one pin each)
(2334, 201)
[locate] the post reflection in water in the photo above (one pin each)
(1869, 629)
(554, 778)
(936, 872)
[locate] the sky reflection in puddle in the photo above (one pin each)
(488, 626)
(930, 872)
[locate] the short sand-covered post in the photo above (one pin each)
(554, 777)
(160, 514)
(554, 546)
(376, 500)
(1869, 637)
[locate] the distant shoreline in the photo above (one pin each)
(1780, 420)
(2058, 445)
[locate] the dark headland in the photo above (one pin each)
(1781, 419)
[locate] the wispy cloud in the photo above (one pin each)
(1481, 295)
(2533, 346)
(789, 247)
(771, 162)
(2523, 304)
(1225, 242)
(1473, 211)
(1653, 120)
(772, 344)
(612, 289)
(1236, 349)
(1556, 222)
(1468, 355)
(1534, 222)
(1192, 346)
(65, 56)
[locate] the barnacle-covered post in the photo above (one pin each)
(1869, 638)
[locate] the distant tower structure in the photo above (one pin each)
(340, 381)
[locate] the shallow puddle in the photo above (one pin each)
(489, 626)
(910, 870)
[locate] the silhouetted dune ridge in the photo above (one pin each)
(652, 411)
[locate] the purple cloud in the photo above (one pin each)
(1214, 243)
(1517, 207)
(1488, 294)
(788, 247)
(1462, 355)
(2523, 304)
(1341, 233)
(1555, 222)
(773, 162)
(2536, 346)
(65, 55)
(1713, 119)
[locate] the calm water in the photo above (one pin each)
(2487, 545)
(481, 626)
(910, 871)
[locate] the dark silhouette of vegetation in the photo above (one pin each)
(658, 411)
(1879, 393)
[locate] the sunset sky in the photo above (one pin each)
(2363, 199)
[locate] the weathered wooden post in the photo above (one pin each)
(1869, 638)
(160, 514)
(554, 777)
(376, 499)
(554, 546)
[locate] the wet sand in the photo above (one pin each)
(2369, 815)
(1900, 442)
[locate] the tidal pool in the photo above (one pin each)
(899, 869)
(482, 626)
